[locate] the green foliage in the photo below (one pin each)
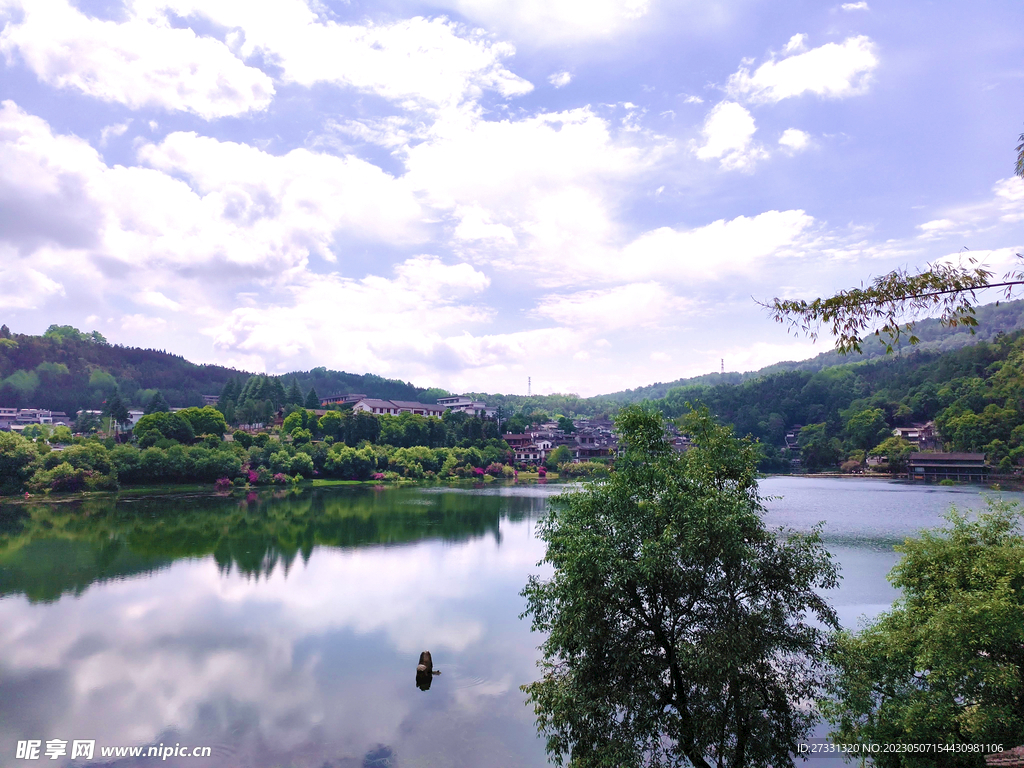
(888, 301)
(312, 399)
(566, 424)
(817, 449)
(65, 333)
(244, 439)
(25, 382)
(157, 404)
(897, 452)
(945, 665)
(867, 428)
(172, 426)
(560, 455)
(19, 460)
(204, 421)
(678, 627)
(582, 469)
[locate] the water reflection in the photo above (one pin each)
(277, 631)
(47, 550)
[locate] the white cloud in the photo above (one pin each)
(834, 70)
(693, 100)
(794, 139)
(118, 129)
(554, 22)
(861, 6)
(797, 43)
(715, 251)
(560, 79)
(660, 357)
(433, 61)
(26, 287)
(728, 132)
(381, 322)
(626, 306)
(137, 63)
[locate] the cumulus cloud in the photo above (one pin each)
(834, 70)
(728, 136)
(794, 139)
(138, 63)
(861, 6)
(625, 306)
(560, 79)
(434, 61)
(412, 323)
(717, 250)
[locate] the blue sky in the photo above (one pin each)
(465, 193)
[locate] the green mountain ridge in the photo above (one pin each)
(993, 320)
(66, 370)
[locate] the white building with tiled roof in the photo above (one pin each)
(395, 407)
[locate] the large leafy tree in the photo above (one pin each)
(946, 664)
(679, 628)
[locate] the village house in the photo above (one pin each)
(395, 407)
(924, 436)
(462, 404)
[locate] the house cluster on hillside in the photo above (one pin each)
(16, 419)
(592, 439)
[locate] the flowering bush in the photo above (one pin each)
(478, 471)
(542, 471)
(223, 483)
(378, 475)
(495, 469)
(281, 478)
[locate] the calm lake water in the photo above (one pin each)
(285, 631)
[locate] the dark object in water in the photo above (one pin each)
(425, 671)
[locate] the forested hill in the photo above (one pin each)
(66, 370)
(993, 319)
(974, 394)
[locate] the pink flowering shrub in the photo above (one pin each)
(222, 484)
(281, 478)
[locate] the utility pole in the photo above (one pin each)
(529, 386)
(723, 367)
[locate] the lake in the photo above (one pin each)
(284, 630)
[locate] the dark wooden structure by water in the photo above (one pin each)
(968, 467)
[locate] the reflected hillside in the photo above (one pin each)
(49, 550)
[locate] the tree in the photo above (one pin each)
(19, 459)
(818, 449)
(896, 451)
(566, 424)
(312, 399)
(867, 428)
(678, 626)
(172, 426)
(294, 396)
(946, 664)
(5, 332)
(157, 404)
(114, 410)
(205, 421)
(560, 455)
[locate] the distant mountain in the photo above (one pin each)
(66, 370)
(993, 319)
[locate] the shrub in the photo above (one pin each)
(242, 437)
